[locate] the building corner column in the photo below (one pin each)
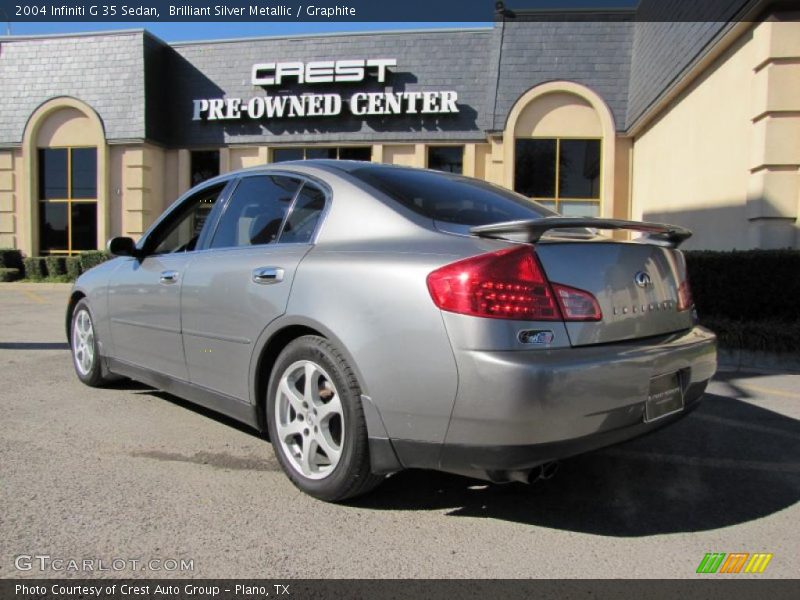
(9, 228)
(773, 194)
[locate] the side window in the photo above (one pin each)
(256, 211)
(181, 231)
(302, 221)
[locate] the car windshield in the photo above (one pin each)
(453, 202)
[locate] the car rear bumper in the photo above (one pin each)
(516, 410)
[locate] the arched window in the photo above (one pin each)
(559, 143)
(65, 156)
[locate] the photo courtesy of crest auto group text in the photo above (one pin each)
(404, 300)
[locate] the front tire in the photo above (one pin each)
(85, 350)
(316, 421)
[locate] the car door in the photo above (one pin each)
(241, 282)
(144, 292)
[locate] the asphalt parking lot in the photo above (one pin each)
(132, 473)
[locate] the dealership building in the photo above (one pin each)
(605, 114)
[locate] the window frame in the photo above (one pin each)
(234, 182)
(556, 199)
(146, 243)
(429, 147)
(68, 200)
(304, 149)
(192, 152)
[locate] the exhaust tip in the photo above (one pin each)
(544, 472)
(550, 469)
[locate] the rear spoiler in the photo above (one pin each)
(531, 230)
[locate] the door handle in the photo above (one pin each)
(169, 276)
(266, 275)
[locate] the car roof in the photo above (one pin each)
(329, 165)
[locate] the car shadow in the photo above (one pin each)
(729, 462)
(34, 346)
(146, 390)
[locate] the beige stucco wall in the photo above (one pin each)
(142, 187)
(409, 155)
(142, 184)
(722, 158)
(9, 230)
(250, 156)
(558, 114)
(66, 127)
(171, 179)
(116, 189)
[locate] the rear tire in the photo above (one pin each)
(84, 348)
(316, 421)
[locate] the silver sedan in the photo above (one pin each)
(371, 318)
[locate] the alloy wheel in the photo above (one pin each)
(309, 419)
(83, 342)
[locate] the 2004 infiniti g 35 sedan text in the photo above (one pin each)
(373, 318)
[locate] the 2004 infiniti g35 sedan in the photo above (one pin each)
(372, 318)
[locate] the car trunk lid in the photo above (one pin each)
(636, 283)
(636, 286)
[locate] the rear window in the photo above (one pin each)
(454, 203)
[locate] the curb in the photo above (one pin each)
(750, 360)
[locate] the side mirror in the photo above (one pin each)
(122, 246)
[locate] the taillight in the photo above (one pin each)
(507, 284)
(685, 300)
(577, 305)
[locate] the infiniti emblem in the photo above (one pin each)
(642, 279)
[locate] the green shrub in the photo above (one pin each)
(7, 274)
(748, 298)
(35, 267)
(10, 258)
(56, 265)
(73, 267)
(746, 285)
(93, 258)
(764, 335)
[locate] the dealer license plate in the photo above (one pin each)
(664, 398)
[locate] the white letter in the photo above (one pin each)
(375, 104)
(289, 69)
(232, 108)
(297, 106)
(429, 102)
(275, 106)
(315, 105)
(255, 108)
(215, 109)
(354, 100)
(200, 106)
(411, 98)
(263, 80)
(320, 71)
(349, 70)
(333, 104)
(394, 104)
(382, 64)
(449, 102)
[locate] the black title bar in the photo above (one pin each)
(115, 11)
